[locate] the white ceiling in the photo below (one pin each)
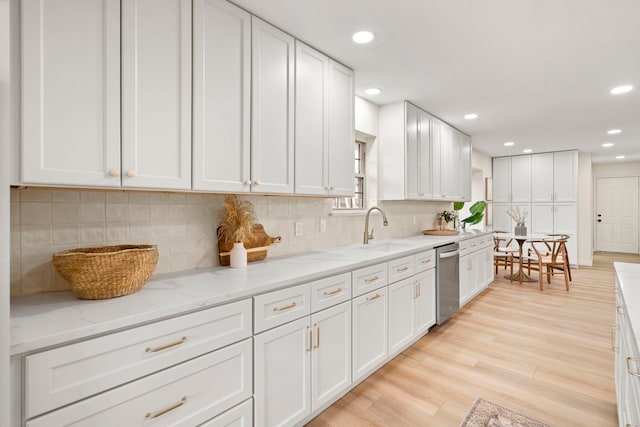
(537, 72)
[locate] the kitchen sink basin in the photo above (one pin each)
(383, 247)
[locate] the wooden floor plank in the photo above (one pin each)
(546, 354)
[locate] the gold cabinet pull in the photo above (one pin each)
(629, 369)
(310, 342)
(426, 261)
(165, 346)
(614, 348)
(373, 297)
(620, 310)
(401, 269)
(285, 308)
(416, 290)
(317, 328)
(333, 292)
(371, 279)
(151, 415)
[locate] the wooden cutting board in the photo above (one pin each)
(434, 232)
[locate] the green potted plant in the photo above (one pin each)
(476, 210)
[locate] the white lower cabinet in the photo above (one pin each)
(412, 308)
(187, 394)
(626, 364)
(238, 416)
(301, 365)
(476, 267)
(369, 332)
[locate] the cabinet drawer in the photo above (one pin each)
(485, 241)
(187, 394)
(369, 278)
(63, 375)
(425, 260)
(330, 291)
(276, 308)
(239, 416)
(401, 268)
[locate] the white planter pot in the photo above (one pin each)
(238, 256)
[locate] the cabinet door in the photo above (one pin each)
(488, 267)
(542, 216)
(565, 176)
(156, 94)
(369, 332)
(272, 102)
(542, 177)
(312, 122)
(565, 221)
(450, 163)
(467, 279)
(331, 355)
(341, 130)
(424, 301)
(71, 92)
(501, 221)
(436, 149)
(465, 167)
(521, 179)
(238, 416)
(221, 97)
(412, 120)
(401, 314)
(282, 373)
(502, 180)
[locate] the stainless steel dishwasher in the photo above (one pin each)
(447, 282)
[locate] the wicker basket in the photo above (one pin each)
(108, 271)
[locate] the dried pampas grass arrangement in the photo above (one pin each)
(238, 217)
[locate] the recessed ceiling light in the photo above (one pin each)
(607, 144)
(619, 157)
(363, 37)
(621, 89)
(614, 131)
(527, 150)
(509, 144)
(372, 91)
(471, 116)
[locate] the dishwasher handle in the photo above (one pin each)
(448, 254)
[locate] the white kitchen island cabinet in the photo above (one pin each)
(324, 130)
(71, 104)
(625, 345)
(272, 109)
(221, 97)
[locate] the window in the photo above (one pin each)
(359, 196)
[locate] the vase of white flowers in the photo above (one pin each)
(520, 218)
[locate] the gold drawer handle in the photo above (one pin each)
(426, 261)
(401, 269)
(333, 292)
(373, 297)
(285, 308)
(371, 279)
(165, 346)
(151, 415)
(629, 369)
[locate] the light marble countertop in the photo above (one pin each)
(48, 319)
(628, 275)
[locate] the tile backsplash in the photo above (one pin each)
(182, 225)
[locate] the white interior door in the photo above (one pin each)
(617, 214)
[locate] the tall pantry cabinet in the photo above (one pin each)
(546, 184)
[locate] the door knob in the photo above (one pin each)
(131, 173)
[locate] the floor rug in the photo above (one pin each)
(487, 414)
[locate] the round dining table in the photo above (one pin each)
(520, 275)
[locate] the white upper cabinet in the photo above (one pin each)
(221, 97)
(324, 135)
(555, 177)
(272, 120)
(71, 92)
(451, 161)
(156, 94)
(406, 158)
(312, 121)
(465, 173)
(512, 179)
(341, 130)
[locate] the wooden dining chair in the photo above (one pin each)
(549, 257)
(564, 238)
(503, 252)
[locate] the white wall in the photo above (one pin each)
(585, 210)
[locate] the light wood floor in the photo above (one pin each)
(545, 354)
